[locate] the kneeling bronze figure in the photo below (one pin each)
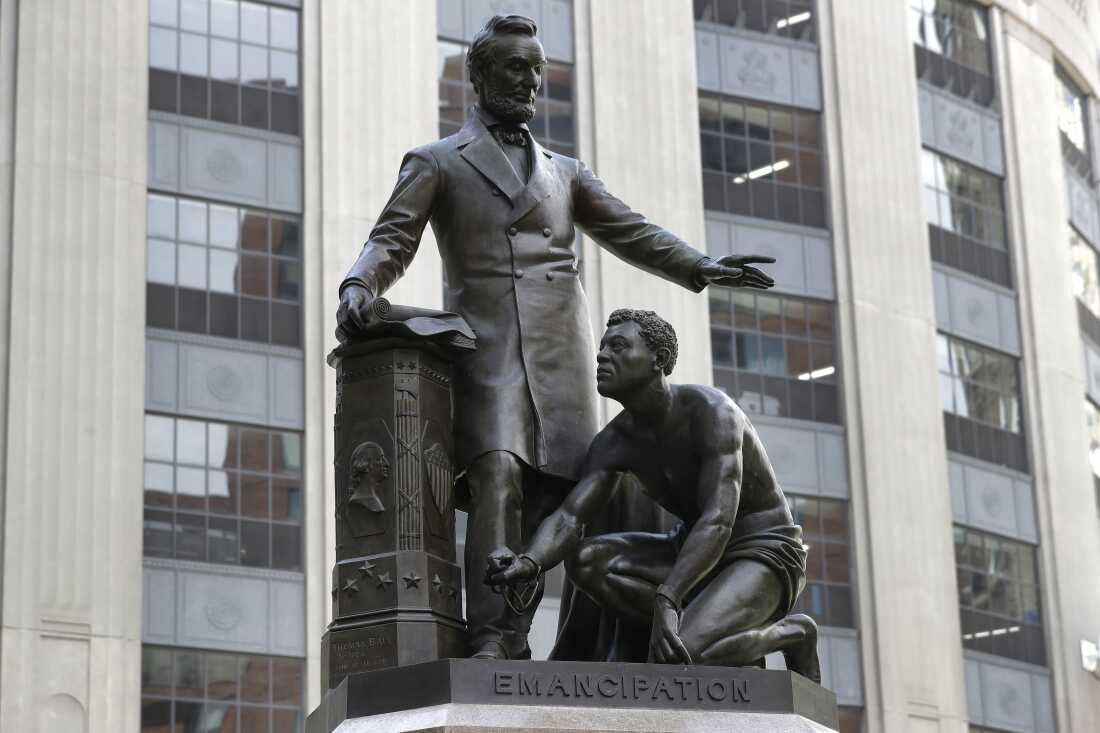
(720, 588)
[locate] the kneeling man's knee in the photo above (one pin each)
(590, 561)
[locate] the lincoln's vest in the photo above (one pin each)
(510, 270)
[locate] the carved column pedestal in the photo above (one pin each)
(396, 590)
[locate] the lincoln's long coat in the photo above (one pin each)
(511, 272)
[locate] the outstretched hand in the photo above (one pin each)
(505, 569)
(665, 644)
(737, 271)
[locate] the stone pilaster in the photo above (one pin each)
(72, 171)
(909, 616)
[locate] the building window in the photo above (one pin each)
(851, 719)
(951, 39)
(195, 690)
(1086, 277)
(1092, 420)
(775, 355)
(225, 60)
(222, 493)
(794, 19)
(999, 596)
(980, 392)
(1073, 123)
(966, 218)
(825, 531)
(554, 123)
(223, 270)
(762, 160)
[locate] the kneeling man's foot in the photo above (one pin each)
(491, 649)
(801, 652)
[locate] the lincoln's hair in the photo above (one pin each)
(480, 55)
(656, 331)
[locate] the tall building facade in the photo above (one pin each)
(183, 184)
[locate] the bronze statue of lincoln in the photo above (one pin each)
(718, 589)
(504, 212)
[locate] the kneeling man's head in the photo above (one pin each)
(637, 348)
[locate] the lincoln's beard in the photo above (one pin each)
(506, 108)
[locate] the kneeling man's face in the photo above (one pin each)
(625, 362)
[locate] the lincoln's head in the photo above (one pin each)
(638, 347)
(505, 63)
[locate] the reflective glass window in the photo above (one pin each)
(775, 355)
(794, 19)
(762, 160)
(223, 493)
(826, 533)
(952, 44)
(1072, 106)
(223, 270)
(226, 60)
(964, 207)
(998, 586)
(196, 690)
(980, 384)
(1086, 274)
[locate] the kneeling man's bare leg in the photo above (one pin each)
(621, 572)
(728, 623)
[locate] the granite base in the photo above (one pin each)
(482, 696)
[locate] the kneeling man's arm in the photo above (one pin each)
(558, 534)
(718, 492)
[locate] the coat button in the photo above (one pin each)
(549, 276)
(518, 273)
(546, 232)
(513, 231)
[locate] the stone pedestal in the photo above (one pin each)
(396, 590)
(478, 696)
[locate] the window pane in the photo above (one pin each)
(223, 60)
(284, 70)
(286, 678)
(223, 226)
(254, 65)
(254, 276)
(158, 484)
(286, 547)
(284, 29)
(193, 54)
(193, 15)
(163, 12)
(254, 23)
(255, 679)
(191, 442)
(156, 671)
(163, 49)
(223, 271)
(221, 676)
(160, 264)
(223, 18)
(159, 436)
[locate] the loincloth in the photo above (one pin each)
(779, 548)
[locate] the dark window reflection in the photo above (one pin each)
(222, 493)
(223, 270)
(999, 596)
(187, 690)
(762, 160)
(775, 355)
(826, 533)
(794, 19)
(951, 42)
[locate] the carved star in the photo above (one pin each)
(437, 583)
(384, 580)
(351, 586)
(412, 580)
(366, 569)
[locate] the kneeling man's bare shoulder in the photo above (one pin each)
(715, 417)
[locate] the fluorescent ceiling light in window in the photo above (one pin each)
(817, 374)
(793, 20)
(767, 170)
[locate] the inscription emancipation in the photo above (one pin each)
(647, 688)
